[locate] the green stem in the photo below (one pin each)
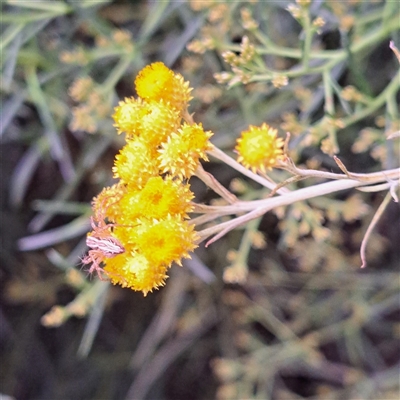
(309, 33)
(116, 74)
(330, 110)
(9, 34)
(335, 57)
(56, 7)
(376, 103)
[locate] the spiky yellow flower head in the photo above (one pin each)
(152, 120)
(182, 152)
(158, 199)
(127, 115)
(106, 203)
(136, 272)
(166, 241)
(158, 121)
(259, 148)
(157, 82)
(150, 247)
(135, 163)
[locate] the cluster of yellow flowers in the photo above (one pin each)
(140, 224)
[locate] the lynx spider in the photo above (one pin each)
(101, 244)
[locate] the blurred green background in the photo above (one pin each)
(307, 323)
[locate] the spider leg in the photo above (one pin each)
(94, 257)
(93, 223)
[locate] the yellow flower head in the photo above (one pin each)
(259, 148)
(153, 121)
(127, 115)
(135, 272)
(135, 163)
(158, 199)
(157, 82)
(166, 241)
(182, 152)
(106, 203)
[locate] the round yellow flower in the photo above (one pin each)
(158, 121)
(153, 121)
(106, 203)
(158, 198)
(181, 154)
(166, 241)
(127, 115)
(259, 148)
(135, 272)
(135, 163)
(157, 82)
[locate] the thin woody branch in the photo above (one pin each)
(258, 208)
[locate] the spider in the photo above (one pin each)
(101, 244)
